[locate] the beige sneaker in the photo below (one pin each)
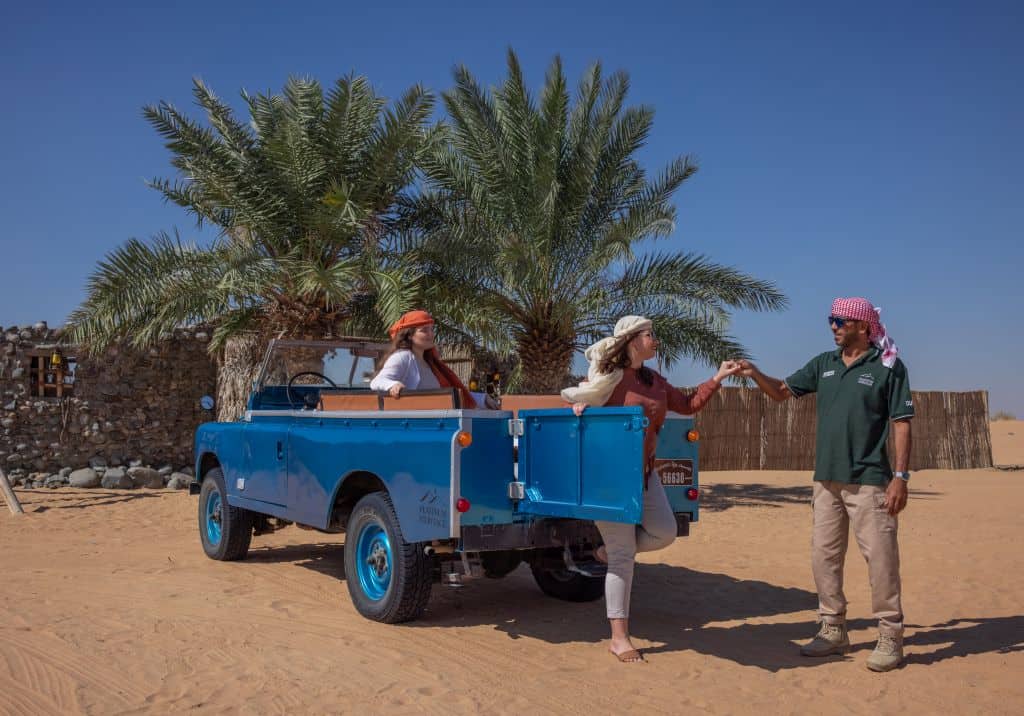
(888, 653)
(831, 639)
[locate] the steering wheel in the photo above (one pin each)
(309, 400)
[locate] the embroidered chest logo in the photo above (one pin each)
(866, 379)
(828, 374)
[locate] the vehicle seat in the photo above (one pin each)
(348, 401)
(444, 399)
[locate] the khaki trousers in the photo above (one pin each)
(837, 507)
(657, 530)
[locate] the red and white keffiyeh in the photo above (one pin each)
(860, 309)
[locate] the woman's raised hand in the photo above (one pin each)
(729, 367)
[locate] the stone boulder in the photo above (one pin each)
(115, 478)
(86, 477)
(146, 477)
(55, 481)
(179, 481)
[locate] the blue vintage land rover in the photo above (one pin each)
(424, 491)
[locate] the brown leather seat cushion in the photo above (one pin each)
(336, 401)
(413, 401)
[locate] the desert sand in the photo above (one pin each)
(110, 607)
(1008, 442)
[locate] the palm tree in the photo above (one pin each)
(530, 229)
(303, 197)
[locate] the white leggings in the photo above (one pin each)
(657, 530)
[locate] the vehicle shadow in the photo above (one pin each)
(718, 497)
(676, 609)
(325, 557)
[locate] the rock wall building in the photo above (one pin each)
(62, 410)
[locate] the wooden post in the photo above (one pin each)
(12, 499)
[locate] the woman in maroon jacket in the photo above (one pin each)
(618, 376)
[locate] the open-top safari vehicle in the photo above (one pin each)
(427, 492)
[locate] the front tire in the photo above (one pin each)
(389, 579)
(225, 531)
(568, 586)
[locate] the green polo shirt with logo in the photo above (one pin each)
(855, 406)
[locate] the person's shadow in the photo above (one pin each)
(965, 637)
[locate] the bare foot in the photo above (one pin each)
(601, 554)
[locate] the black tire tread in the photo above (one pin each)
(236, 523)
(412, 569)
(579, 589)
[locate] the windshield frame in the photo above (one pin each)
(357, 347)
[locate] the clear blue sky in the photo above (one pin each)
(866, 149)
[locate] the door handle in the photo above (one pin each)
(280, 450)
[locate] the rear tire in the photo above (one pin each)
(225, 531)
(568, 586)
(388, 578)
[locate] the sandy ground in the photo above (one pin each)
(1008, 442)
(111, 607)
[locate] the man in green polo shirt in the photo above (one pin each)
(862, 388)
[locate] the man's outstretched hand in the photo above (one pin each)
(747, 369)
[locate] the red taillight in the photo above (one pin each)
(693, 493)
(462, 504)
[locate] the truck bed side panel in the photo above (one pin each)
(412, 456)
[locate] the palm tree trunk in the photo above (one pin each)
(236, 370)
(545, 359)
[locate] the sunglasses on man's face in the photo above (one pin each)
(839, 322)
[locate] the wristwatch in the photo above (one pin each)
(905, 476)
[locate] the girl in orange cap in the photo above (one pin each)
(414, 362)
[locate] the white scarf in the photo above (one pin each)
(598, 387)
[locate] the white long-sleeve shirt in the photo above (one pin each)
(403, 367)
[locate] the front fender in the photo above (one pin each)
(219, 444)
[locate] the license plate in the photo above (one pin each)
(675, 472)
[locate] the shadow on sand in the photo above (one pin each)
(676, 608)
(79, 500)
(718, 497)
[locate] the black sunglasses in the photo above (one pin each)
(840, 322)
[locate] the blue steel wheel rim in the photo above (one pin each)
(213, 518)
(373, 561)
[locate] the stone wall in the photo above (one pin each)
(127, 406)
